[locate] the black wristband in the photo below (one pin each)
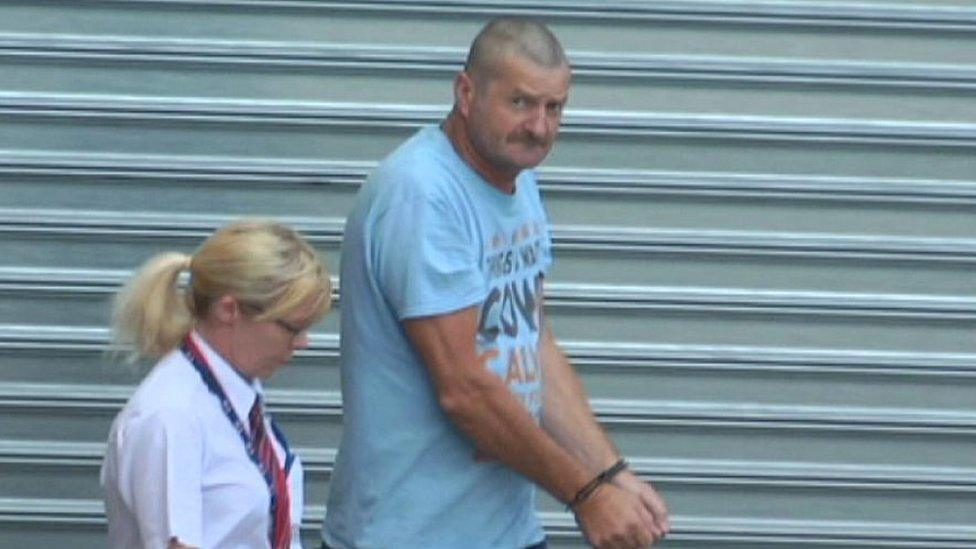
(605, 476)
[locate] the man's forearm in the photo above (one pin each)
(567, 415)
(485, 410)
(561, 458)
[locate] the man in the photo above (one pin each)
(456, 397)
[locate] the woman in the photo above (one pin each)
(193, 460)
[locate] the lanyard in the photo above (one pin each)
(199, 362)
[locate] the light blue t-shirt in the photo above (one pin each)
(429, 236)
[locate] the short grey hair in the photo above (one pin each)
(516, 37)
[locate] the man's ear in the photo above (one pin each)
(226, 310)
(464, 93)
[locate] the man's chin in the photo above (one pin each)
(528, 161)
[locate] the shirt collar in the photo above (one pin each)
(239, 390)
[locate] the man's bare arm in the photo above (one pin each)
(485, 410)
(480, 404)
(568, 417)
(566, 412)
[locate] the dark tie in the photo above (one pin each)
(280, 534)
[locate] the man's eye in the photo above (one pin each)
(518, 102)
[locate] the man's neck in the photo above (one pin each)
(458, 136)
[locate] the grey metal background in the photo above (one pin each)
(764, 222)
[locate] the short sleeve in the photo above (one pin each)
(296, 484)
(546, 249)
(160, 476)
(426, 257)
(545, 227)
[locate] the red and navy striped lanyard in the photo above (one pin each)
(199, 362)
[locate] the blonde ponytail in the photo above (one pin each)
(266, 266)
(151, 314)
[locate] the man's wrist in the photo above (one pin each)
(590, 487)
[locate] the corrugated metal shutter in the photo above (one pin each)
(764, 216)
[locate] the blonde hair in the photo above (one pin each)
(267, 267)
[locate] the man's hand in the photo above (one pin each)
(651, 500)
(617, 518)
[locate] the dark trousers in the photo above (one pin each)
(540, 545)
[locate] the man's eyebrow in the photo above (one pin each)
(538, 96)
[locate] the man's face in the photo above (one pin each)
(513, 119)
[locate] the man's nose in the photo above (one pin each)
(538, 123)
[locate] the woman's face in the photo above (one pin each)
(262, 347)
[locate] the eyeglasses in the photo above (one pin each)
(295, 331)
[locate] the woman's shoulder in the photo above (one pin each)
(172, 388)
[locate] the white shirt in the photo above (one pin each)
(175, 466)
